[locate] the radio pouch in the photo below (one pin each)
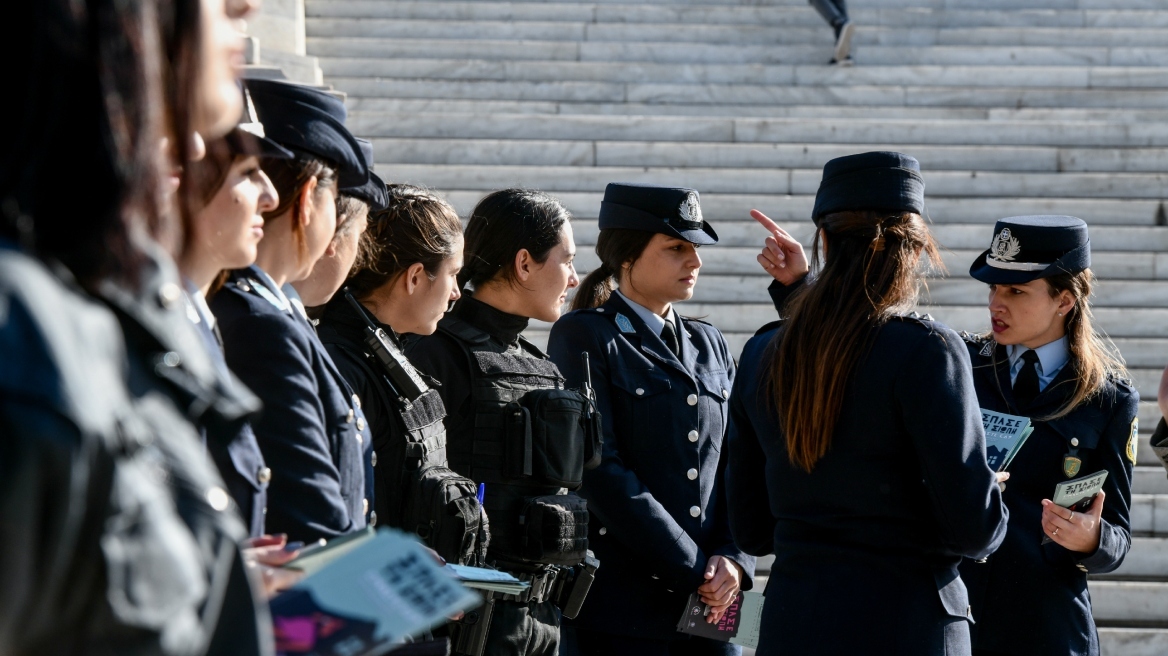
(554, 529)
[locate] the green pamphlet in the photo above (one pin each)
(1005, 435)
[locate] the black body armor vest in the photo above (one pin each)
(532, 441)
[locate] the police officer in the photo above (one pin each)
(657, 500)
(1043, 360)
(230, 192)
(857, 454)
(312, 432)
(404, 284)
(506, 401)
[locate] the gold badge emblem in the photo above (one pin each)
(1131, 440)
(1071, 466)
(1005, 246)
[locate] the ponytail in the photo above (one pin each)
(616, 248)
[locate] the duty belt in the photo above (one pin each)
(545, 586)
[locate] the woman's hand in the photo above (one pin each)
(723, 581)
(1075, 531)
(782, 255)
(266, 555)
(1002, 477)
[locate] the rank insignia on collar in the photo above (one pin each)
(1131, 440)
(1071, 466)
(624, 324)
(988, 349)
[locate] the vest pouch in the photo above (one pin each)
(558, 432)
(593, 439)
(517, 444)
(441, 507)
(554, 529)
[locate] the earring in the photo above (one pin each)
(1060, 314)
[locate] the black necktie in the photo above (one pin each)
(1026, 384)
(669, 336)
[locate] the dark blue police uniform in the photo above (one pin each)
(867, 544)
(657, 500)
(1029, 597)
(310, 431)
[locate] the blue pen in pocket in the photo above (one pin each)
(482, 493)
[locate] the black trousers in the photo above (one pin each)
(595, 643)
(519, 629)
(835, 12)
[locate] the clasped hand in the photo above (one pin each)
(723, 582)
(1073, 530)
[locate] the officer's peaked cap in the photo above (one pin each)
(312, 121)
(1026, 248)
(870, 181)
(373, 191)
(673, 211)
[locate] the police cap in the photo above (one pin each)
(870, 181)
(373, 191)
(673, 211)
(309, 120)
(1026, 248)
(250, 137)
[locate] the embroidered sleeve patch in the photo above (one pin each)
(1131, 440)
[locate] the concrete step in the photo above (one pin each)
(1122, 641)
(1148, 559)
(721, 94)
(1132, 603)
(315, 5)
(563, 152)
(369, 105)
(800, 131)
(1066, 77)
(941, 210)
(698, 14)
(799, 181)
(608, 51)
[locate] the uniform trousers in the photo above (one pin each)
(524, 629)
(595, 643)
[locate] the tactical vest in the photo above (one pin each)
(429, 499)
(532, 441)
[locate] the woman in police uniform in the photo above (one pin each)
(1044, 361)
(311, 432)
(857, 454)
(659, 525)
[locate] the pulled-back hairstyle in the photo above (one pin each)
(289, 177)
(615, 247)
(1093, 360)
(417, 227)
(504, 223)
(869, 272)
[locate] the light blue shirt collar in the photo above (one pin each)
(654, 321)
(1052, 358)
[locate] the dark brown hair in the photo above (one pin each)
(289, 177)
(349, 209)
(417, 227)
(616, 248)
(504, 223)
(869, 272)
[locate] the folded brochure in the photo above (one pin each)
(1005, 435)
(384, 588)
(1078, 495)
(740, 625)
(492, 580)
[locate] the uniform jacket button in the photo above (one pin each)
(695, 511)
(1074, 441)
(360, 438)
(692, 399)
(640, 391)
(364, 506)
(373, 458)
(360, 423)
(169, 294)
(217, 498)
(264, 475)
(350, 417)
(693, 436)
(357, 401)
(603, 530)
(725, 394)
(692, 474)
(373, 518)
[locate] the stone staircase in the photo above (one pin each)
(1012, 107)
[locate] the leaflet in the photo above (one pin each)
(1005, 435)
(740, 625)
(382, 590)
(481, 578)
(1078, 495)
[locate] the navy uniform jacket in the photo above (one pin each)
(233, 447)
(1030, 598)
(308, 430)
(867, 545)
(657, 500)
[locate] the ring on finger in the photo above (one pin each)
(1071, 517)
(1055, 532)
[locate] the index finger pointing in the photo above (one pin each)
(766, 222)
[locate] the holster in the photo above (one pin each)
(575, 586)
(469, 635)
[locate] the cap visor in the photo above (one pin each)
(992, 275)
